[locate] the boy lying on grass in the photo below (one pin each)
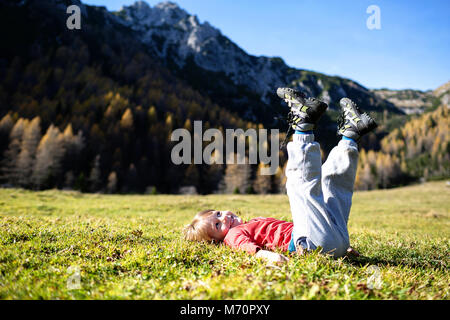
(320, 196)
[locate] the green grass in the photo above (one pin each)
(130, 247)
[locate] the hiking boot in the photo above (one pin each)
(353, 123)
(304, 112)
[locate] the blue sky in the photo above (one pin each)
(411, 50)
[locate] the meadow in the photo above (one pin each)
(69, 245)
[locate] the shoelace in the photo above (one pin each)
(288, 133)
(341, 120)
(290, 120)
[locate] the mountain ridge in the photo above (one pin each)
(179, 38)
(416, 101)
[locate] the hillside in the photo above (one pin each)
(93, 109)
(420, 149)
(201, 53)
(98, 82)
(416, 101)
(443, 93)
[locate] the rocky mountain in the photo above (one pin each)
(177, 35)
(443, 93)
(214, 63)
(416, 101)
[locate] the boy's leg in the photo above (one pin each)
(339, 171)
(312, 224)
(338, 178)
(309, 212)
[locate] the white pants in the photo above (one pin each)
(320, 196)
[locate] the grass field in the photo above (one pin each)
(131, 247)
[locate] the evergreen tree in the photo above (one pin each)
(48, 159)
(213, 174)
(6, 125)
(95, 176)
(27, 155)
(280, 180)
(111, 187)
(131, 179)
(72, 150)
(152, 115)
(10, 173)
(237, 177)
(262, 183)
(127, 119)
(191, 176)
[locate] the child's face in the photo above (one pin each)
(220, 222)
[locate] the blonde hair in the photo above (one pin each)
(197, 230)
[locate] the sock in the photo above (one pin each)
(304, 132)
(345, 138)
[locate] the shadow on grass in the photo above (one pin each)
(435, 263)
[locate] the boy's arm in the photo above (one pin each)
(241, 241)
(271, 256)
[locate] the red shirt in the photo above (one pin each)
(260, 233)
